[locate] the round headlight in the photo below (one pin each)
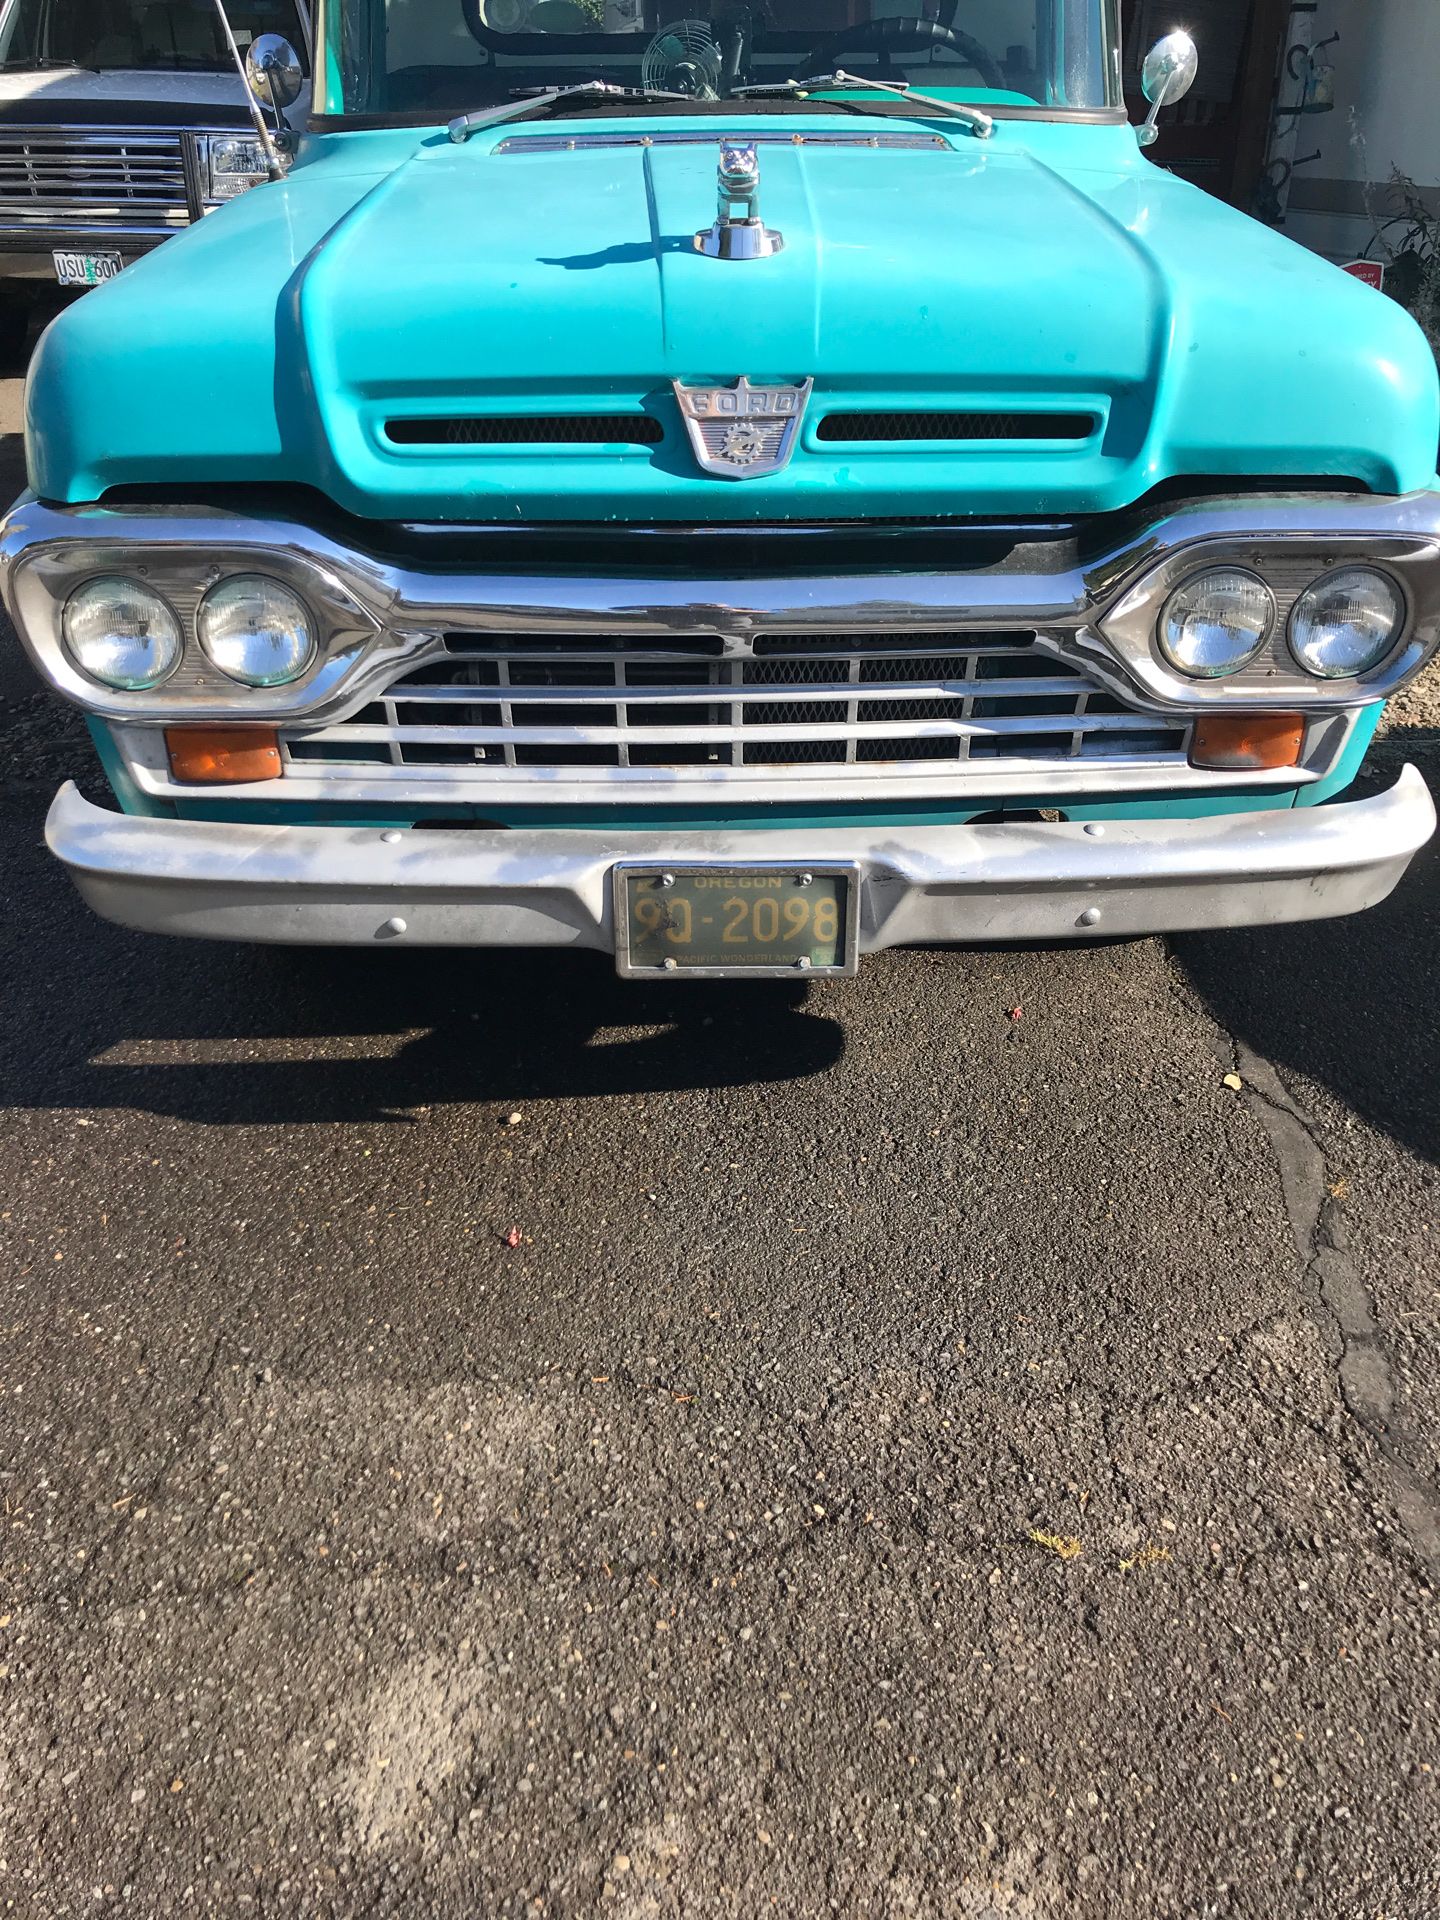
(121, 633)
(1346, 623)
(256, 630)
(1216, 622)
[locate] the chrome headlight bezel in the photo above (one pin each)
(1129, 628)
(348, 638)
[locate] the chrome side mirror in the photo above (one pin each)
(1167, 76)
(273, 69)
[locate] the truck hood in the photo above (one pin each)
(97, 96)
(128, 97)
(1051, 270)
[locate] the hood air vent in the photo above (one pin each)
(956, 426)
(528, 430)
(641, 430)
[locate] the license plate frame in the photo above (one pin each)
(86, 267)
(846, 873)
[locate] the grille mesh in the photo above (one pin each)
(497, 702)
(955, 426)
(528, 429)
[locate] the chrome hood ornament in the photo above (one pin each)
(738, 232)
(742, 432)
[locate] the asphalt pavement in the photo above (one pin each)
(916, 1461)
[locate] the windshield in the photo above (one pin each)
(145, 36)
(419, 59)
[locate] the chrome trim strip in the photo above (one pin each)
(809, 691)
(196, 150)
(53, 133)
(91, 222)
(434, 789)
(678, 137)
(556, 734)
(552, 886)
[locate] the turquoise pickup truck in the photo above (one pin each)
(736, 491)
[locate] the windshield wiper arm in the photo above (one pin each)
(467, 123)
(979, 123)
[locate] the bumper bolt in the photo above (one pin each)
(1090, 918)
(1095, 829)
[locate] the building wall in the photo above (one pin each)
(1387, 76)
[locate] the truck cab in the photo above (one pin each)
(736, 491)
(122, 122)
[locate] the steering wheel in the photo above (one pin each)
(902, 32)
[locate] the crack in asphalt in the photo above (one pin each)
(1340, 1304)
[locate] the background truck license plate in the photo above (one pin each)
(85, 269)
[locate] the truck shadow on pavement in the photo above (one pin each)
(1349, 1004)
(271, 1035)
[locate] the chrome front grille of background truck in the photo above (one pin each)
(500, 704)
(97, 176)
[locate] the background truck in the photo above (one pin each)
(121, 123)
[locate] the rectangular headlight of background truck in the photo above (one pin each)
(236, 164)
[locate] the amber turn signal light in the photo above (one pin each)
(1248, 742)
(223, 756)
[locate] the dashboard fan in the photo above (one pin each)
(683, 58)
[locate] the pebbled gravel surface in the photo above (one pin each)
(914, 1463)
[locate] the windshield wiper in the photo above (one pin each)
(465, 124)
(979, 123)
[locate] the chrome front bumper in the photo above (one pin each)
(340, 885)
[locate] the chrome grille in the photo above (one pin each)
(494, 705)
(99, 177)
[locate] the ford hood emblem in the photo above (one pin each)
(742, 432)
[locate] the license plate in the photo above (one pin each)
(85, 269)
(751, 922)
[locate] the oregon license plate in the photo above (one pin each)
(715, 921)
(85, 269)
